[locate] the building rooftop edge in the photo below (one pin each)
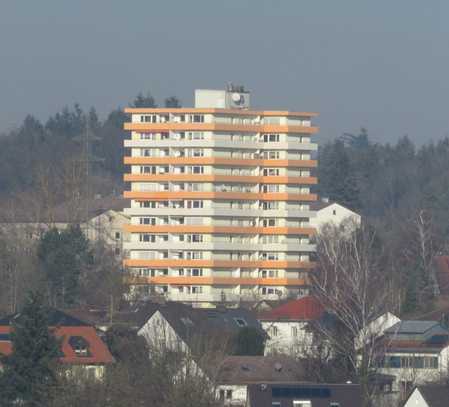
(137, 110)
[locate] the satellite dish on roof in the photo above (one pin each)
(237, 98)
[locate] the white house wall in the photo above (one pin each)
(416, 400)
(239, 394)
(160, 335)
(337, 215)
(285, 342)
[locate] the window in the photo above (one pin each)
(274, 331)
(228, 394)
(271, 290)
(273, 256)
(197, 289)
(270, 188)
(194, 238)
(302, 403)
(197, 170)
(196, 135)
(147, 204)
(147, 221)
(197, 152)
(270, 138)
(117, 251)
(406, 362)
(145, 237)
(269, 205)
(193, 255)
(269, 222)
(240, 322)
(222, 395)
(80, 346)
(197, 118)
(430, 362)
(196, 272)
(271, 155)
(334, 212)
(195, 204)
(117, 235)
(271, 171)
(295, 331)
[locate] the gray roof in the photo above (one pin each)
(427, 336)
(255, 369)
(66, 212)
(436, 395)
(189, 322)
(411, 327)
(55, 318)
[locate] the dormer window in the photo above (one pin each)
(80, 346)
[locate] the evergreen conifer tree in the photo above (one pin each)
(62, 257)
(29, 372)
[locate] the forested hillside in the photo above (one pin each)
(403, 192)
(46, 162)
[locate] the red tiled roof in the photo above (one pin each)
(303, 309)
(98, 351)
(442, 273)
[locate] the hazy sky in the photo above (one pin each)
(381, 64)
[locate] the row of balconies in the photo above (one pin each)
(181, 136)
(177, 152)
(219, 187)
(215, 170)
(215, 143)
(244, 254)
(214, 246)
(197, 117)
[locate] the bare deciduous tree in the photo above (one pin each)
(355, 289)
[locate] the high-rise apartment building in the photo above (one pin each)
(220, 199)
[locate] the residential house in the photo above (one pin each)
(236, 373)
(304, 395)
(428, 395)
(376, 328)
(415, 352)
(202, 335)
(333, 213)
(289, 326)
(83, 351)
(105, 221)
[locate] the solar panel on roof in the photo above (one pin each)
(299, 392)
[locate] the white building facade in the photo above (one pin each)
(332, 213)
(220, 199)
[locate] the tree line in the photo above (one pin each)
(39, 154)
(402, 191)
